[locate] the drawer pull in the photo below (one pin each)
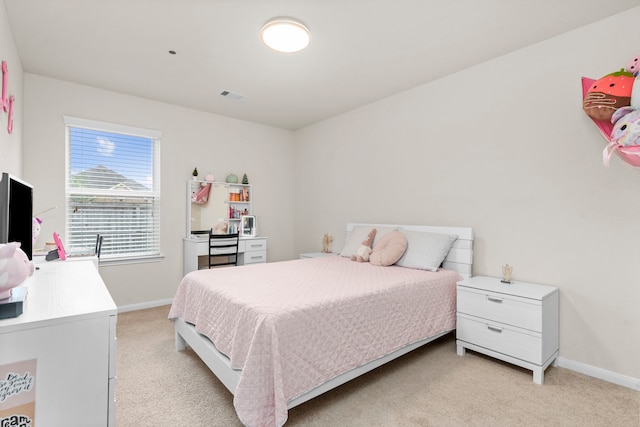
(494, 299)
(257, 257)
(494, 329)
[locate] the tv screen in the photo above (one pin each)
(16, 213)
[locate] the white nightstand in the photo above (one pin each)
(317, 254)
(516, 322)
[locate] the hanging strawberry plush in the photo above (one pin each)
(608, 94)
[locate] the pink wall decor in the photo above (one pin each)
(12, 99)
(630, 155)
(5, 84)
(6, 103)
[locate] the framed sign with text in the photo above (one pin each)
(18, 394)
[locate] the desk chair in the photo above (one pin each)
(99, 240)
(223, 249)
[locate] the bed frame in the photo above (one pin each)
(459, 259)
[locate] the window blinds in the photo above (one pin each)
(113, 188)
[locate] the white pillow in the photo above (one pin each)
(425, 251)
(358, 234)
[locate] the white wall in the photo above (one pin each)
(503, 147)
(11, 144)
(190, 138)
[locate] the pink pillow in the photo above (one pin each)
(388, 249)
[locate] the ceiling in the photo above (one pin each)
(360, 51)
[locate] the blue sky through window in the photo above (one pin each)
(128, 155)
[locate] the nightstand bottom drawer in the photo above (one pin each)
(515, 342)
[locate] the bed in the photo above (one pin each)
(279, 334)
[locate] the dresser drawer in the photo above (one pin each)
(515, 342)
(502, 308)
(113, 346)
(253, 257)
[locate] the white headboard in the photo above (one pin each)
(460, 257)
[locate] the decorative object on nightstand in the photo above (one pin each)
(231, 179)
(517, 323)
(506, 273)
(245, 180)
(326, 242)
(195, 174)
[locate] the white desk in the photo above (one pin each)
(39, 258)
(251, 250)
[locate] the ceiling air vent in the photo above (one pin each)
(231, 95)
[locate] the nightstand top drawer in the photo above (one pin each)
(515, 288)
(507, 309)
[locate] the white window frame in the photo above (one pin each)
(75, 122)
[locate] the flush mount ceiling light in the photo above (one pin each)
(286, 35)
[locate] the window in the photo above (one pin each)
(112, 189)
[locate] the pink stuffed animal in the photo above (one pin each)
(633, 66)
(15, 267)
(363, 252)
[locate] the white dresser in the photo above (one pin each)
(68, 326)
(516, 322)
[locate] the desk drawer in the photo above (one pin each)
(519, 343)
(255, 245)
(253, 257)
(502, 308)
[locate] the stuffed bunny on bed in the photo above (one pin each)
(363, 252)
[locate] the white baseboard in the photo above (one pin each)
(583, 368)
(603, 374)
(143, 305)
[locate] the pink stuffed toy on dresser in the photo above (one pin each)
(15, 268)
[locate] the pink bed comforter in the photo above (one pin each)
(290, 326)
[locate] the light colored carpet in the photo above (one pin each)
(431, 386)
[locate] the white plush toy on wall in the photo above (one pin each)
(625, 136)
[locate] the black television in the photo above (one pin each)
(16, 212)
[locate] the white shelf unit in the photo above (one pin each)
(238, 206)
